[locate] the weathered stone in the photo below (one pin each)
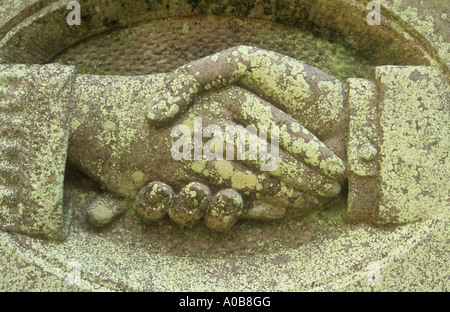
(352, 257)
(362, 149)
(265, 211)
(153, 201)
(226, 208)
(34, 117)
(406, 122)
(104, 209)
(111, 111)
(193, 202)
(414, 112)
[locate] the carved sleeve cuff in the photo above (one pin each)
(34, 131)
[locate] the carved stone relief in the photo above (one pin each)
(123, 139)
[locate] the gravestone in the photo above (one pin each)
(92, 198)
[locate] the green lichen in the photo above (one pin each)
(362, 126)
(241, 180)
(414, 165)
(38, 168)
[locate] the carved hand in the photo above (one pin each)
(124, 153)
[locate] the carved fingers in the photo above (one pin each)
(311, 96)
(306, 163)
(178, 93)
(306, 170)
(295, 138)
(273, 149)
(193, 203)
(182, 85)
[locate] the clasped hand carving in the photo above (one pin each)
(121, 137)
